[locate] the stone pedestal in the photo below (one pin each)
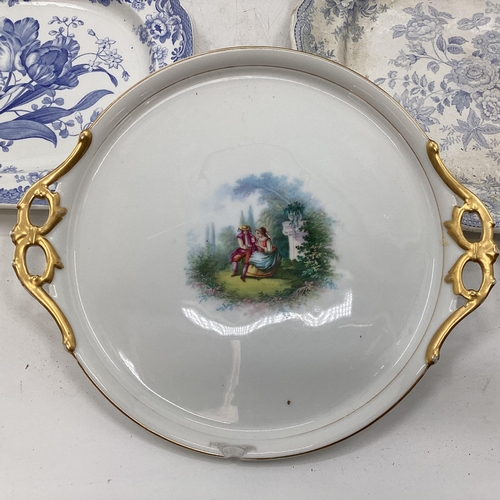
(295, 238)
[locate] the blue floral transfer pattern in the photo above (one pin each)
(34, 72)
(453, 78)
(448, 78)
(442, 66)
(341, 16)
(43, 68)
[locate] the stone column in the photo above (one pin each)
(295, 237)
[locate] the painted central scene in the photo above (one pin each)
(277, 252)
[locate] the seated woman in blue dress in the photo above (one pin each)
(265, 259)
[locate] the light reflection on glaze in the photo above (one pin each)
(342, 310)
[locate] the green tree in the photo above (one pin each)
(250, 218)
(316, 254)
(226, 243)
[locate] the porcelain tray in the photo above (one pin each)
(269, 273)
(439, 59)
(61, 63)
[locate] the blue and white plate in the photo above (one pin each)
(439, 59)
(61, 64)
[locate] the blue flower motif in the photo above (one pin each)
(161, 26)
(12, 196)
(341, 5)
(176, 54)
(105, 43)
(142, 33)
(423, 27)
(13, 38)
(488, 44)
(159, 54)
(111, 58)
(489, 104)
(138, 4)
(31, 177)
(32, 71)
(157, 26)
(474, 74)
(49, 64)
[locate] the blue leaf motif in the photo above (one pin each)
(30, 94)
(90, 99)
(81, 69)
(465, 24)
(439, 14)
(457, 40)
(455, 49)
(472, 129)
(50, 115)
(24, 129)
(412, 12)
(398, 30)
(479, 19)
(476, 21)
(461, 100)
(440, 43)
(433, 66)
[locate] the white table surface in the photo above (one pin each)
(60, 439)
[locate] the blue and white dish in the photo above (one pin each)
(440, 60)
(61, 64)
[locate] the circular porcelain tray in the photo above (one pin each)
(255, 262)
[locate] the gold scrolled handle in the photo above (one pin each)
(25, 235)
(484, 252)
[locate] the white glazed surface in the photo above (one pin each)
(294, 383)
(437, 58)
(61, 438)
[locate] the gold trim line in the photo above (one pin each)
(484, 252)
(25, 235)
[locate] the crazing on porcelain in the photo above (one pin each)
(277, 253)
(443, 67)
(42, 64)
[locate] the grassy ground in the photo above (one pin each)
(252, 286)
